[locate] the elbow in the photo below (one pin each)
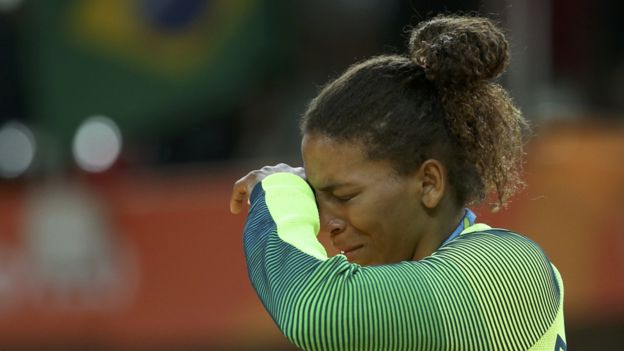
(311, 327)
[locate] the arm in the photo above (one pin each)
(452, 300)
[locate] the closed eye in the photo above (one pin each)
(344, 198)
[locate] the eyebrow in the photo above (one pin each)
(332, 186)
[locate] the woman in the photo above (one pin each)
(394, 150)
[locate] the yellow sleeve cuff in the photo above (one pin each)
(292, 206)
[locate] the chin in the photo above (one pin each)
(364, 261)
(374, 261)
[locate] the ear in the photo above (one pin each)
(433, 182)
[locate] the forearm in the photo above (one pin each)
(457, 299)
(319, 303)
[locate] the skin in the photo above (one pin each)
(372, 214)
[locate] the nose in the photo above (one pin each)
(330, 222)
(336, 226)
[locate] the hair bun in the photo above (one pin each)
(459, 51)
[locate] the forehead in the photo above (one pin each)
(329, 161)
(322, 151)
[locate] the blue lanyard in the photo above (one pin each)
(466, 221)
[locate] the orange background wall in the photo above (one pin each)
(181, 279)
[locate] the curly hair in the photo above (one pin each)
(440, 102)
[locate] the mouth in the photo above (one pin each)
(352, 252)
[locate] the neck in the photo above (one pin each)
(438, 229)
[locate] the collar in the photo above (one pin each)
(466, 221)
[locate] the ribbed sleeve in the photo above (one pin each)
(491, 290)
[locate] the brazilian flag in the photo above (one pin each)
(144, 63)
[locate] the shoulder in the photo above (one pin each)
(499, 242)
(510, 277)
(500, 257)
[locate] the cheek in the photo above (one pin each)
(366, 217)
(390, 220)
(376, 215)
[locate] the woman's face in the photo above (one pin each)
(371, 213)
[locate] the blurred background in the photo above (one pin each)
(123, 124)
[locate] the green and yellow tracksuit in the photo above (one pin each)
(485, 289)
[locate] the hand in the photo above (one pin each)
(243, 187)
